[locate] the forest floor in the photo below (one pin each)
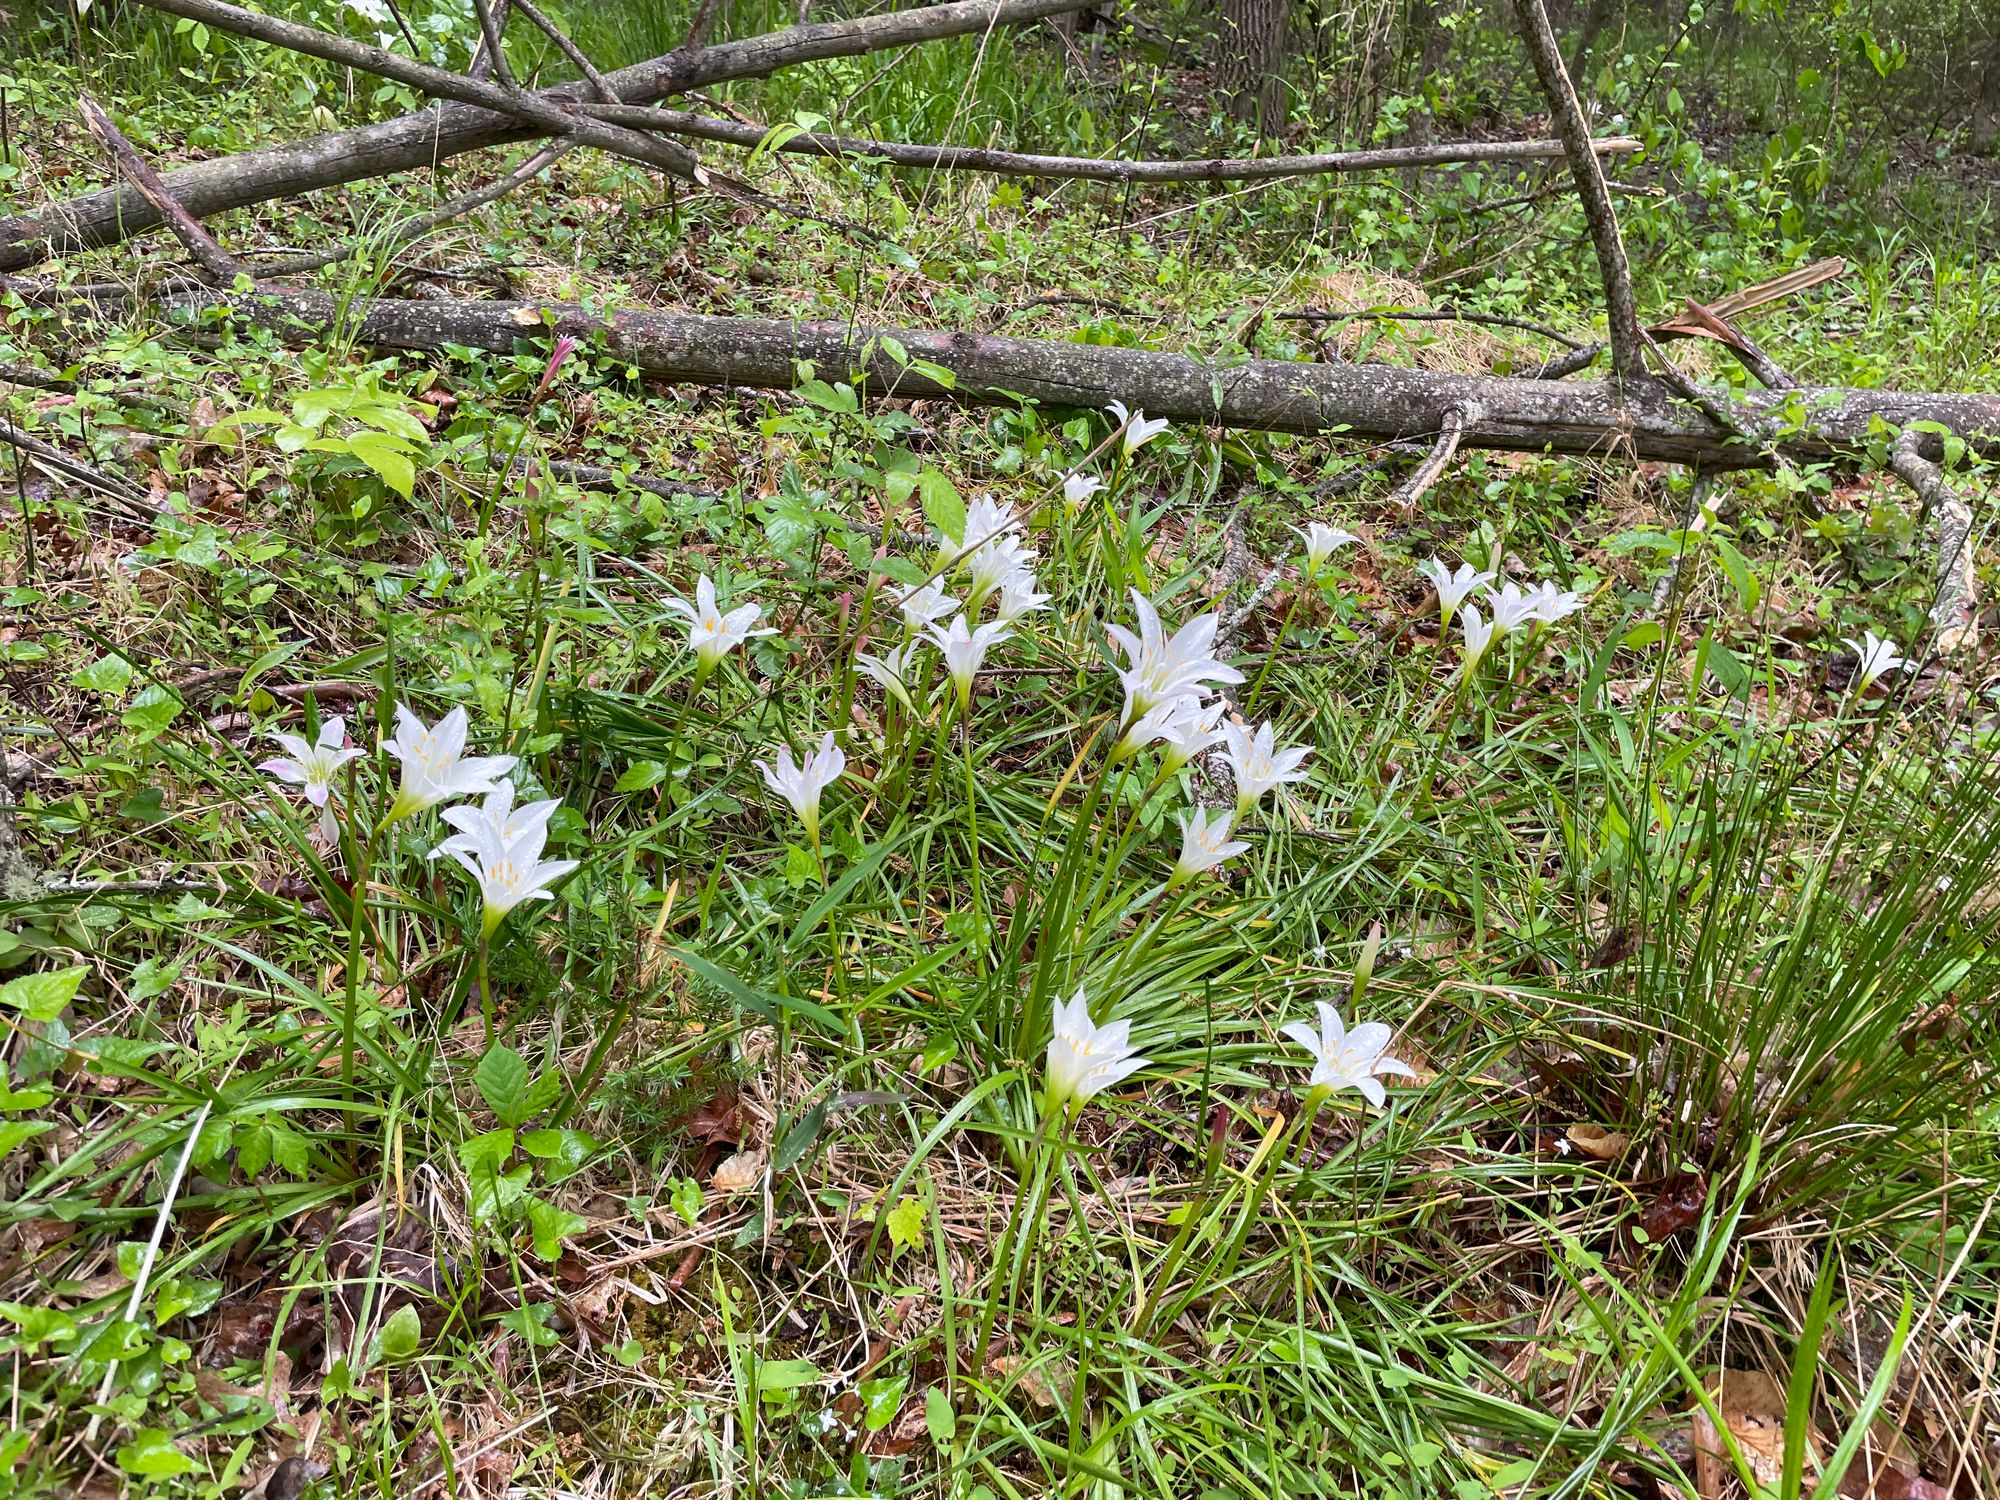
(744, 1162)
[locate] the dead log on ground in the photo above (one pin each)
(1360, 401)
(433, 135)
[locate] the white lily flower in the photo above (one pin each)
(926, 605)
(1138, 430)
(1085, 1059)
(1078, 488)
(1452, 585)
(801, 783)
(711, 633)
(1019, 597)
(1185, 725)
(891, 670)
(1159, 669)
(993, 565)
(1874, 656)
(1321, 542)
(496, 822)
(509, 869)
(1344, 1059)
(987, 522)
(1478, 636)
(1205, 843)
(1553, 604)
(965, 651)
(435, 767)
(311, 765)
(1513, 607)
(1258, 764)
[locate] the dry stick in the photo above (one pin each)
(1366, 401)
(1447, 314)
(63, 466)
(212, 258)
(482, 60)
(1697, 502)
(1090, 168)
(1628, 357)
(1954, 614)
(422, 224)
(1450, 431)
(568, 48)
(426, 137)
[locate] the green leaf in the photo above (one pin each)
(551, 1226)
(532, 1323)
(493, 1194)
(799, 1140)
(152, 711)
(881, 1400)
(906, 1224)
(151, 978)
(401, 1336)
(786, 1375)
(566, 1150)
(486, 1153)
(152, 1455)
(109, 675)
(940, 1421)
(17, 1133)
(685, 1194)
(502, 1080)
(942, 505)
(39, 1325)
(640, 776)
(41, 997)
(761, 1001)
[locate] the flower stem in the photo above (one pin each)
(1277, 645)
(357, 920)
(1033, 1195)
(485, 991)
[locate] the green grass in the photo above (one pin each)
(1739, 1137)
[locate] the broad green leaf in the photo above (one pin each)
(940, 1421)
(401, 1336)
(905, 1223)
(550, 1226)
(502, 1080)
(42, 996)
(881, 1399)
(152, 1455)
(786, 1374)
(564, 1150)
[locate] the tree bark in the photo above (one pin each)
(1360, 401)
(1986, 103)
(1251, 75)
(432, 135)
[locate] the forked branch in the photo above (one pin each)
(1955, 599)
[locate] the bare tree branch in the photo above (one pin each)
(1426, 474)
(1628, 357)
(1955, 606)
(212, 258)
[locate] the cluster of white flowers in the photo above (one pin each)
(1085, 1059)
(498, 844)
(1514, 608)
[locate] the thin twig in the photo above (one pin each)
(1447, 314)
(63, 466)
(568, 48)
(1413, 489)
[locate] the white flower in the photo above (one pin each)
(1553, 604)
(1158, 670)
(1078, 488)
(1257, 763)
(965, 650)
(1874, 656)
(1205, 843)
(926, 605)
(993, 566)
(1513, 607)
(892, 670)
(502, 850)
(1186, 726)
(1344, 1059)
(986, 522)
(1452, 585)
(496, 822)
(802, 782)
(1321, 541)
(1018, 597)
(1085, 1059)
(311, 766)
(1138, 431)
(1478, 636)
(434, 765)
(711, 633)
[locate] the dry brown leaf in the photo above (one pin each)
(1598, 1143)
(739, 1173)
(1753, 1406)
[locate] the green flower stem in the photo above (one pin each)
(1021, 1226)
(485, 990)
(357, 920)
(1278, 644)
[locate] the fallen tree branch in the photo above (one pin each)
(430, 136)
(202, 245)
(1450, 432)
(1628, 358)
(61, 465)
(1089, 168)
(1361, 401)
(1447, 314)
(1955, 606)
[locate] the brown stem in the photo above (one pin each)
(133, 168)
(1955, 610)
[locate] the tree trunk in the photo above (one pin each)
(1359, 401)
(1986, 103)
(1251, 77)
